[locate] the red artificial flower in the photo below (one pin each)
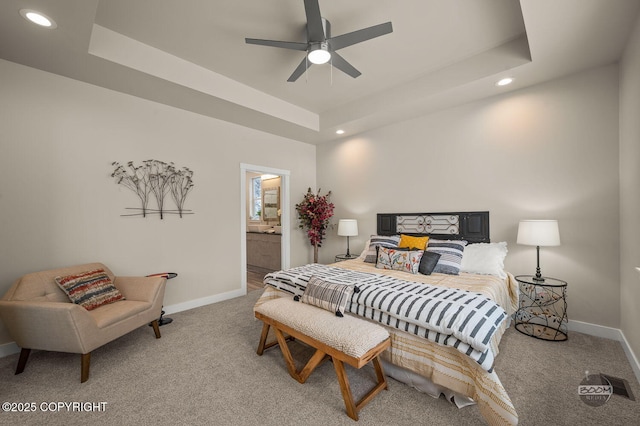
(314, 213)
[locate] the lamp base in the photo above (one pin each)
(538, 276)
(348, 254)
(163, 320)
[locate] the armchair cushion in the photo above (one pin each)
(89, 289)
(115, 312)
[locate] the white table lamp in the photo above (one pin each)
(538, 233)
(348, 228)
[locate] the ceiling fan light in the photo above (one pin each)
(319, 54)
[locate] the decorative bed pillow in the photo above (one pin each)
(389, 241)
(485, 258)
(89, 289)
(394, 248)
(410, 241)
(327, 295)
(428, 262)
(399, 259)
(450, 252)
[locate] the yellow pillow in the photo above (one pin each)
(413, 242)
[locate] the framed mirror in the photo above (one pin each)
(270, 203)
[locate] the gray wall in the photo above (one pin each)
(545, 152)
(59, 206)
(629, 189)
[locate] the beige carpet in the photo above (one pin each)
(204, 371)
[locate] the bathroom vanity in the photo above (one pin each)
(263, 251)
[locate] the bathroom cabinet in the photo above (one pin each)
(263, 250)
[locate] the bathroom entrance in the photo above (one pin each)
(265, 220)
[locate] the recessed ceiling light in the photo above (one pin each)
(38, 18)
(504, 81)
(340, 132)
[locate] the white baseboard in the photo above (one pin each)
(608, 333)
(9, 349)
(595, 330)
(196, 303)
(631, 356)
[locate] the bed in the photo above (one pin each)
(433, 358)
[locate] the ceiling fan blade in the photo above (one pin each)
(344, 66)
(300, 70)
(359, 36)
(273, 43)
(315, 30)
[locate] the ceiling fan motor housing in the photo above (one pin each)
(326, 26)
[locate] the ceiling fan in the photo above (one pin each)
(320, 46)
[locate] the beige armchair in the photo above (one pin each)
(39, 315)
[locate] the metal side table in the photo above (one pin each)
(167, 275)
(543, 308)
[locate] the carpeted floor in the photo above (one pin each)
(204, 370)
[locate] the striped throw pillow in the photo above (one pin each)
(450, 252)
(332, 297)
(90, 289)
(389, 241)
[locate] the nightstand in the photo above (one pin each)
(543, 308)
(341, 257)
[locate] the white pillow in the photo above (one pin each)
(365, 250)
(485, 258)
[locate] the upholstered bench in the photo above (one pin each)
(343, 339)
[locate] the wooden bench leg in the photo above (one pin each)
(22, 361)
(302, 375)
(263, 338)
(311, 365)
(381, 385)
(345, 388)
(377, 365)
(263, 345)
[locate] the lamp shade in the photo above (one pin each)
(347, 227)
(538, 233)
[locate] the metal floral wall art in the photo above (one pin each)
(155, 179)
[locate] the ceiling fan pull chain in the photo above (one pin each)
(331, 71)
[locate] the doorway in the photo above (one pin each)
(262, 220)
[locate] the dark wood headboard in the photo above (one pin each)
(470, 226)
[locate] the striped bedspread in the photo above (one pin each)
(452, 317)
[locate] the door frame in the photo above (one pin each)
(285, 218)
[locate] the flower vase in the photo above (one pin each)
(315, 253)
